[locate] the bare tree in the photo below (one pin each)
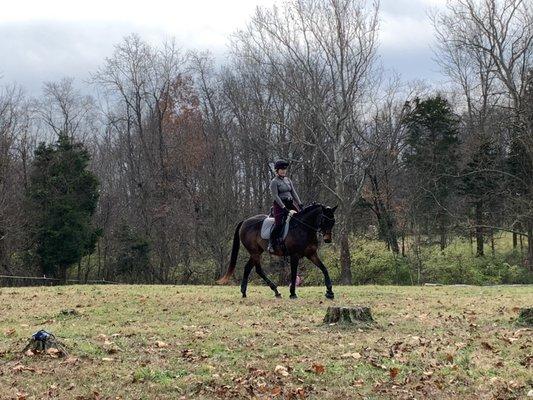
(65, 110)
(487, 46)
(14, 120)
(323, 53)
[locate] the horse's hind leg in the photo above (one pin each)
(262, 274)
(247, 269)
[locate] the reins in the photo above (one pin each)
(315, 229)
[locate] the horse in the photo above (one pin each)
(301, 241)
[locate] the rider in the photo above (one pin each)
(284, 196)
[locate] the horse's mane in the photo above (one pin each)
(309, 208)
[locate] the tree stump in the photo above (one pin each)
(348, 315)
(525, 317)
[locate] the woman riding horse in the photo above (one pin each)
(284, 197)
(301, 241)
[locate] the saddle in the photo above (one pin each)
(268, 225)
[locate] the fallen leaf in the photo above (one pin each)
(393, 372)
(318, 368)
(487, 346)
(351, 355)
(276, 391)
(9, 332)
(20, 367)
(71, 360)
(520, 332)
(281, 370)
(54, 353)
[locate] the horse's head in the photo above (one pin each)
(326, 222)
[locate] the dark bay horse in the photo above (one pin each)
(301, 241)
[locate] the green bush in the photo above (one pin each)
(372, 263)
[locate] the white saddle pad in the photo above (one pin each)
(268, 224)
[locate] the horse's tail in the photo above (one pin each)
(234, 253)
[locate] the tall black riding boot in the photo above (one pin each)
(274, 238)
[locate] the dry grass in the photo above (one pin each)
(172, 342)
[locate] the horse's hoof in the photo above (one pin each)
(278, 295)
(330, 295)
(293, 296)
(244, 295)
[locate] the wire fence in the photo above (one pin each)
(19, 281)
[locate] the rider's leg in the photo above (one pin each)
(278, 223)
(274, 235)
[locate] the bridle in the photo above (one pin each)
(319, 228)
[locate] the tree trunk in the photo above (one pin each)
(479, 229)
(62, 274)
(346, 262)
(530, 246)
(493, 249)
(99, 261)
(3, 253)
(79, 271)
(515, 240)
(442, 228)
(385, 217)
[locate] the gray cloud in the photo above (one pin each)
(35, 52)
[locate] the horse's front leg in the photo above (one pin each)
(294, 273)
(329, 289)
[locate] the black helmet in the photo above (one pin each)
(280, 164)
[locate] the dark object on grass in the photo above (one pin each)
(45, 342)
(69, 312)
(525, 317)
(349, 315)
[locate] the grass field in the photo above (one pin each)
(181, 342)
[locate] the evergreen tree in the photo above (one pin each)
(133, 256)
(62, 195)
(478, 185)
(431, 160)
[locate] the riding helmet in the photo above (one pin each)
(281, 164)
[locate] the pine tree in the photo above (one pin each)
(431, 160)
(478, 185)
(62, 197)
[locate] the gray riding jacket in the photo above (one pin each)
(283, 189)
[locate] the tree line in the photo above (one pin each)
(145, 180)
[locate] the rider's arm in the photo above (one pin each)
(274, 192)
(295, 195)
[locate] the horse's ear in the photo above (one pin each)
(334, 208)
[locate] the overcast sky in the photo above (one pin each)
(47, 40)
